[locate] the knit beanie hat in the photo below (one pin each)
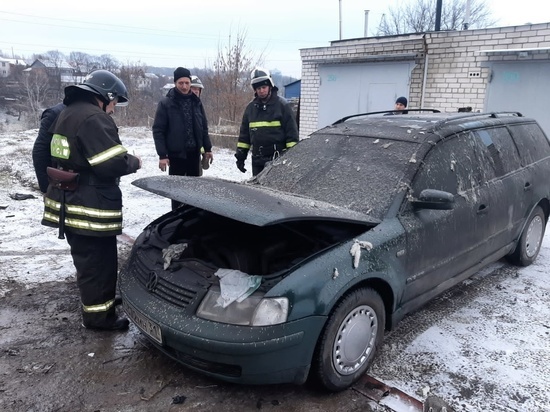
(181, 72)
(402, 100)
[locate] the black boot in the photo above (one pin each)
(103, 321)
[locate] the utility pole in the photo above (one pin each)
(467, 16)
(438, 8)
(366, 23)
(340, 18)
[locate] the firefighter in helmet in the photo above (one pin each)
(83, 198)
(268, 127)
(196, 85)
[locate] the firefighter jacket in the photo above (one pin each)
(85, 140)
(269, 128)
(172, 126)
(41, 157)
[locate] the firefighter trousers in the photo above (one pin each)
(96, 263)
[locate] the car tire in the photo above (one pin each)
(529, 243)
(348, 343)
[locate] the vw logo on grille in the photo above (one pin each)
(152, 282)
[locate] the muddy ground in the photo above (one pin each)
(48, 362)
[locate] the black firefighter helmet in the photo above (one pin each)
(103, 83)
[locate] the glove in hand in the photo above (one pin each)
(241, 154)
(240, 166)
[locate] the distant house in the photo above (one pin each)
(292, 90)
(60, 71)
(6, 65)
(144, 80)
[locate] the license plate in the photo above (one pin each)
(146, 325)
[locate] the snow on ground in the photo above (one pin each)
(483, 346)
(33, 251)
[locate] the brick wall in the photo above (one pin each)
(457, 64)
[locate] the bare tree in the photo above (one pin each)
(81, 62)
(419, 16)
(107, 62)
(36, 86)
(230, 81)
(140, 92)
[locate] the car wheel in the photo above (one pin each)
(529, 243)
(349, 341)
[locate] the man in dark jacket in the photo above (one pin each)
(268, 125)
(83, 198)
(41, 157)
(180, 130)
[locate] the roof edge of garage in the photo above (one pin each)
(500, 51)
(370, 57)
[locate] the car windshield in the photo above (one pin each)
(356, 172)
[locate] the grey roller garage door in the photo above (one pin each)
(347, 89)
(522, 87)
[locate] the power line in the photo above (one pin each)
(124, 29)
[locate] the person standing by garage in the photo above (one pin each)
(41, 156)
(401, 104)
(180, 130)
(83, 198)
(268, 125)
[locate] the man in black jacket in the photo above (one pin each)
(83, 198)
(41, 157)
(268, 126)
(180, 130)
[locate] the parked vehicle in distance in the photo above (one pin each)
(297, 273)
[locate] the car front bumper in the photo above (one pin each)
(241, 354)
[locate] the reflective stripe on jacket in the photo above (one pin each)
(86, 141)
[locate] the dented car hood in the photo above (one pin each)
(247, 202)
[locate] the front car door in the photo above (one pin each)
(442, 244)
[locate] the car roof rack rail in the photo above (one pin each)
(457, 115)
(343, 119)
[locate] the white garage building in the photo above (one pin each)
(497, 69)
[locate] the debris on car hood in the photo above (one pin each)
(236, 286)
(172, 252)
(246, 202)
(355, 250)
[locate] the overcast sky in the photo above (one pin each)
(187, 33)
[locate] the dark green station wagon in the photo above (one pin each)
(297, 273)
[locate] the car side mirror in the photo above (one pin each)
(434, 199)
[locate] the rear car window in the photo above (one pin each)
(501, 147)
(531, 142)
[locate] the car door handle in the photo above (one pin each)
(482, 209)
(527, 186)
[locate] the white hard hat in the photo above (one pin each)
(196, 82)
(260, 77)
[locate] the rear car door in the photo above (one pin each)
(534, 151)
(505, 202)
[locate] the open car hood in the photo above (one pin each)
(247, 202)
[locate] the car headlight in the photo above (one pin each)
(255, 310)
